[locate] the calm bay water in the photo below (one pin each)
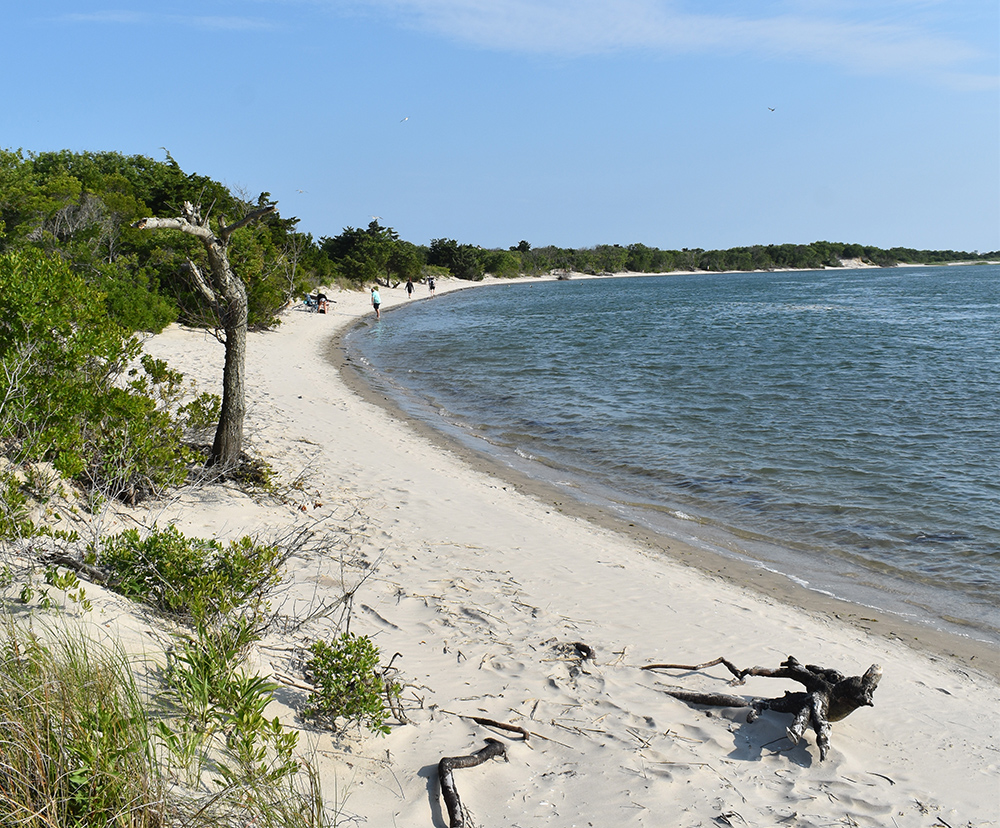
(842, 425)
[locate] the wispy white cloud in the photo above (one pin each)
(130, 18)
(882, 36)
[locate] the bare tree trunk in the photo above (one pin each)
(228, 441)
(227, 295)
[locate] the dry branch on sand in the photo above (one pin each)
(830, 695)
(456, 814)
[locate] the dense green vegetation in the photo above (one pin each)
(196, 578)
(638, 258)
(74, 391)
(80, 207)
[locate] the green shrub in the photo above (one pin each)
(202, 666)
(191, 577)
(222, 709)
(61, 364)
(130, 297)
(14, 518)
(349, 684)
(202, 413)
(77, 749)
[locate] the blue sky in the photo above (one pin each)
(561, 122)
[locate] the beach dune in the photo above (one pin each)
(505, 605)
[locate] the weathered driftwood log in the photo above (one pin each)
(456, 815)
(829, 696)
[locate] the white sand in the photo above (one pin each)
(476, 583)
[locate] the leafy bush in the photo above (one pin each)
(219, 699)
(130, 297)
(14, 518)
(189, 576)
(349, 684)
(61, 362)
(202, 413)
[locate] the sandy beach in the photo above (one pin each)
(485, 587)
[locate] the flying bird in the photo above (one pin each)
(771, 108)
(407, 118)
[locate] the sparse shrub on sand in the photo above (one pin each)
(83, 747)
(350, 685)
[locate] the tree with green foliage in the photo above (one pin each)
(81, 206)
(462, 260)
(374, 254)
(503, 264)
(226, 294)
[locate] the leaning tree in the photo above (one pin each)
(227, 296)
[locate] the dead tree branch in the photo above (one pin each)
(480, 720)
(830, 696)
(456, 815)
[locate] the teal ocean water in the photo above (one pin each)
(839, 426)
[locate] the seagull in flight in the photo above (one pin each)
(407, 118)
(771, 108)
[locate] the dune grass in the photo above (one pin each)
(75, 745)
(82, 746)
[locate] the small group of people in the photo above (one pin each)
(318, 303)
(410, 287)
(377, 299)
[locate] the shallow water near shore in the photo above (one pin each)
(837, 426)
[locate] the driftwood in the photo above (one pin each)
(456, 815)
(830, 696)
(91, 573)
(481, 720)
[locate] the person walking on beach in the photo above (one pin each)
(376, 301)
(409, 288)
(430, 283)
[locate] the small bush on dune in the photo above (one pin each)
(15, 520)
(349, 683)
(77, 749)
(222, 708)
(201, 414)
(190, 577)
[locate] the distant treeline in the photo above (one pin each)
(79, 207)
(638, 258)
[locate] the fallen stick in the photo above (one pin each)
(480, 720)
(456, 816)
(91, 573)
